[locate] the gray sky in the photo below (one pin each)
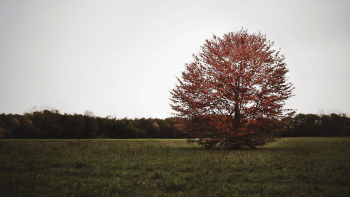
(121, 58)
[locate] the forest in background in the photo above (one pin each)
(51, 124)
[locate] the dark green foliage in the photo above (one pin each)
(53, 125)
(50, 124)
(311, 125)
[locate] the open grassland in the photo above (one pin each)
(288, 167)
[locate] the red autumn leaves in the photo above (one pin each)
(233, 93)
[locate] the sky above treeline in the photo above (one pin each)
(121, 58)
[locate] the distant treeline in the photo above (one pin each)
(50, 124)
(312, 125)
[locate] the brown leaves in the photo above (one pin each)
(234, 82)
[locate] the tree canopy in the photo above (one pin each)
(234, 91)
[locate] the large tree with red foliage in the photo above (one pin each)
(234, 91)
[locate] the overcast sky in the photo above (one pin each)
(121, 58)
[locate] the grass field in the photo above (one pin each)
(288, 167)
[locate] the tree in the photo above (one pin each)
(234, 91)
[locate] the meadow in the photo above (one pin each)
(169, 167)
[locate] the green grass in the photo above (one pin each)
(288, 167)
